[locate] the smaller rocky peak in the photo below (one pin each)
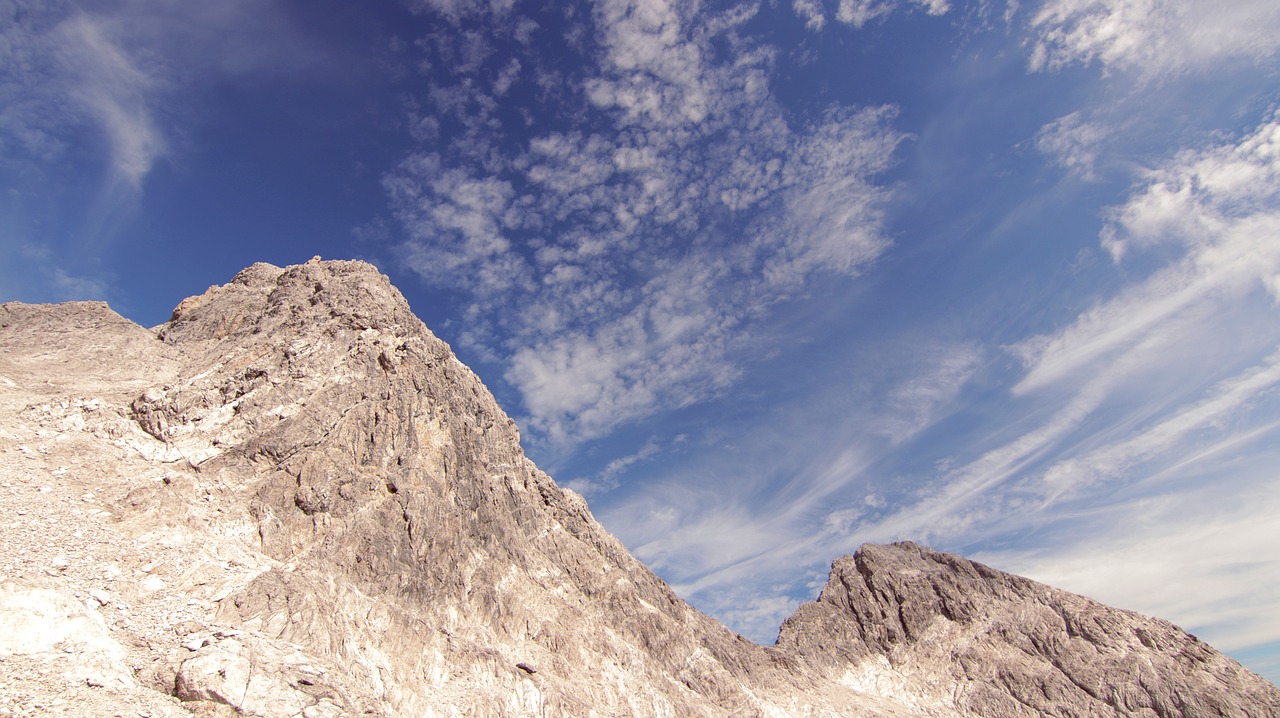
(1017, 646)
(87, 342)
(64, 317)
(51, 328)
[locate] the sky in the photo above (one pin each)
(764, 281)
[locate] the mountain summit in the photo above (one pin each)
(293, 500)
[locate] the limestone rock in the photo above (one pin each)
(40, 622)
(1003, 645)
(260, 677)
(293, 499)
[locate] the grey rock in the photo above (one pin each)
(1003, 645)
(260, 677)
(355, 530)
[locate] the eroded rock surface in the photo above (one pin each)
(293, 500)
(1002, 645)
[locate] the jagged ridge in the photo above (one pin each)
(1004, 645)
(393, 552)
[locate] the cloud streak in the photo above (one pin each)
(1116, 427)
(116, 92)
(66, 68)
(748, 528)
(1223, 583)
(1216, 208)
(1162, 444)
(94, 96)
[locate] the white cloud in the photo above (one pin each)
(756, 614)
(832, 211)
(811, 12)
(666, 347)
(1155, 457)
(608, 477)
(1207, 549)
(457, 9)
(665, 203)
(63, 69)
(639, 252)
(716, 526)
(1153, 37)
(768, 507)
(1173, 434)
(1160, 399)
(859, 12)
(575, 378)
(654, 71)
(459, 224)
(117, 92)
(94, 95)
(507, 78)
(705, 541)
(917, 402)
(1221, 206)
(1217, 201)
(33, 113)
(1075, 143)
(569, 164)
(73, 288)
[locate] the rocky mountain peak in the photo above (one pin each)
(1004, 645)
(293, 499)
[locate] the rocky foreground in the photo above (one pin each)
(293, 500)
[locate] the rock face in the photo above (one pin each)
(995, 644)
(293, 500)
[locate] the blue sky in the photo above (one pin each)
(764, 281)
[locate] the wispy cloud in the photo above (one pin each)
(457, 9)
(668, 202)
(1221, 209)
(93, 96)
(1151, 339)
(915, 404)
(116, 91)
(1152, 37)
(77, 288)
(859, 12)
(1227, 401)
(32, 113)
(1207, 548)
(1112, 429)
(608, 477)
(1075, 143)
(64, 68)
(811, 12)
(1157, 460)
(71, 95)
(745, 530)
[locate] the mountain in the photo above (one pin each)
(293, 500)
(994, 644)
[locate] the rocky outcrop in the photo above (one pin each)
(416, 542)
(293, 500)
(1003, 645)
